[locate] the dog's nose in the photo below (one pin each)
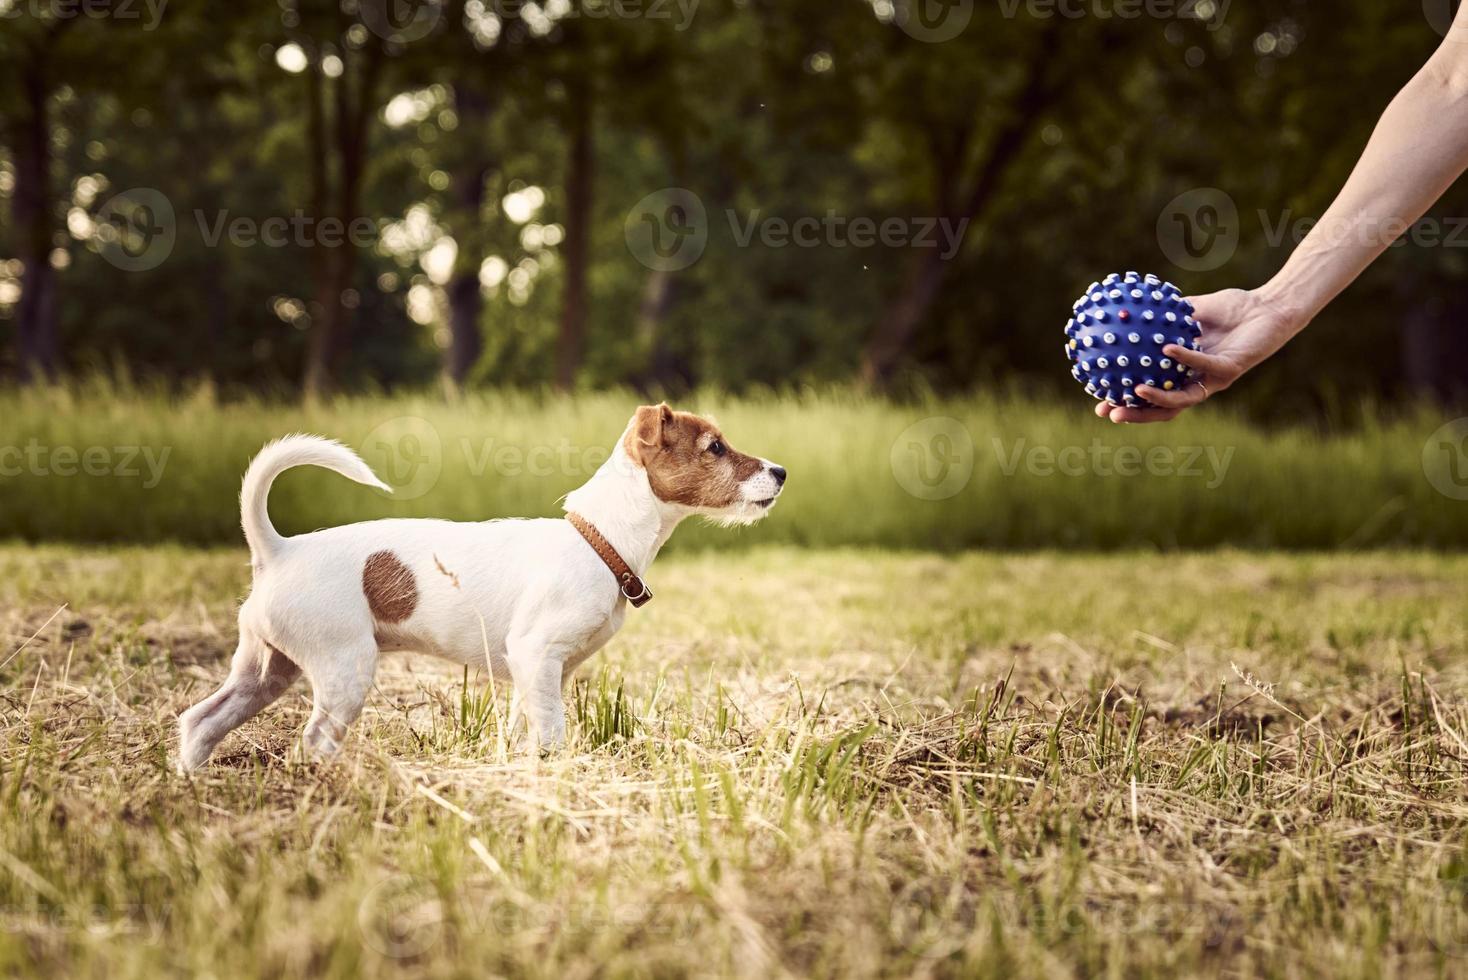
(778, 472)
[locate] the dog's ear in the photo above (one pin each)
(648, 431)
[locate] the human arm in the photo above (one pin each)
(1418, 149)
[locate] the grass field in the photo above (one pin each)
(794, 762)
(941, 474)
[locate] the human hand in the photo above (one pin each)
(1241, 329)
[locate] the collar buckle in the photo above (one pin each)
(632, 587)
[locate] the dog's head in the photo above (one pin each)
(690, 464)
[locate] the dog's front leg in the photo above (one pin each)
(536, 668)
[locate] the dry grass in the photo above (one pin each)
(839, 763)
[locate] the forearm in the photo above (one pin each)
(1419, 148)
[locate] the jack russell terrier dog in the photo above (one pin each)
(536, 597)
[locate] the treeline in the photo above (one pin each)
(315, 196)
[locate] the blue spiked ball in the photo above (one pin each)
(1116, 334)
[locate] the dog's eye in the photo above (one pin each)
(716, 447)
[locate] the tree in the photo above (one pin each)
(344, 61)
(35, 51)
(971, 145)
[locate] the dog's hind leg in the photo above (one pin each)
(258, 675)
(340, 691)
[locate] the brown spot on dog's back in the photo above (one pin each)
(392, 592)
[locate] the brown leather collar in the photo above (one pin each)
(633, 588)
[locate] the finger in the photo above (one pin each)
(1209, 307)
(1137, 416)
(1192, 394)
(1103, 409)
(1209, 364)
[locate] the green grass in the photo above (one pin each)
(841, 763)
(1011, 474)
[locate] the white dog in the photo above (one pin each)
(536, 597)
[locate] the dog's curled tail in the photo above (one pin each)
(275, 459)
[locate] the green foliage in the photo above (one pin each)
(602, 713)
(1062, 138)
(102, 464)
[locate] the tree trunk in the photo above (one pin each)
(903, 317)
(465, 341)
(337, 264)
(36, 328)
(317, 380)
(580, 171)
(466, 302)
(658, 372)
(894, 331)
